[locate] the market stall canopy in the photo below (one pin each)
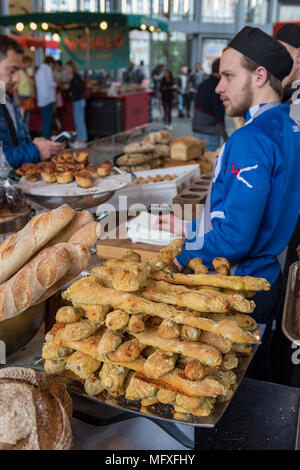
(69, 20)
(37, 43)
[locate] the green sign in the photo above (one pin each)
(96, 49)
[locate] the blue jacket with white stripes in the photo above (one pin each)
(255, 197)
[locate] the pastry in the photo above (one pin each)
(81, 157)
(83, 179)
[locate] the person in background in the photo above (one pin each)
(253, 203)
(76, 91)
(60, 74)
(17, 144)
(190, 95)
(198, 76)
(182, 88)
(168, 90)
(140, 73)
(209, 114)
(289, 37)
(25, 88)
(157, 75)
(129, 74)
(46, 94)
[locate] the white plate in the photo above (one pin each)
(101, 185)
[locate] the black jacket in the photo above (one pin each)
(167, 89)
(76, 88)
(209, 110)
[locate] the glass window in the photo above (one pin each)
(140, 48)
(289, 13)
(218, 11)
(175, 54)
(212, 49)
(256, 11)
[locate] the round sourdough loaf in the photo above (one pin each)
(34, 411)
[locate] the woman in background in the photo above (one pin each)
(26, 88)
(168, 92)
(76, 89)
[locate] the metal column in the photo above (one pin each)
(4, 10)
(240, 15)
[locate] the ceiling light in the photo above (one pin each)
(19, 26)
(103, 25)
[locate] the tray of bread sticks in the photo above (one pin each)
(146, 338)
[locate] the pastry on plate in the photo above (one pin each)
(104, 169)
(81, 157)
(83, 179)
(64, 175)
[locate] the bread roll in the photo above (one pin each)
(34, 411)
(16, 250)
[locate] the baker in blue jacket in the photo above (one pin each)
(17, 144)
(252, 208)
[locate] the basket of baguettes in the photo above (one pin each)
(141, 332)
(52, 249)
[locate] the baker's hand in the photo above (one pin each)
(47, 148)
(170, 223)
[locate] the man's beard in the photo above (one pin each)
(243, 102)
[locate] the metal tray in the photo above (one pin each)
(290, 321)
(78, 202)
(158, 412)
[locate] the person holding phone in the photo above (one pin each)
(18, 146)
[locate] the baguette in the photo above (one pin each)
(26, 287)
(80, 219)
(87, 235)
(80, 257)
(16, 250)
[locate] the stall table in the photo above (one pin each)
(261, 416)
(107, 115)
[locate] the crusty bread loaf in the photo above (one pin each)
(80, 219)
(26, 287)
(138, 147)
(80, 257)
(34, 411)
(87, 235)
(187, 148)
(163, 137)
(162, 151)
(134, 159)
(16, 250)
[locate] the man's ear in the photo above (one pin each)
(261, 76)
